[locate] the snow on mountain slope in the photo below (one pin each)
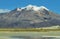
(32, 7)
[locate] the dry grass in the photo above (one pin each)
(30, 29)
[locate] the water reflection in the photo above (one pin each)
(29, 37)
(21, 37)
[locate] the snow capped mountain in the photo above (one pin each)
(30, 16)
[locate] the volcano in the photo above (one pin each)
(29, 17)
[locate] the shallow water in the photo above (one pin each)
(19, 37)
(29, 35)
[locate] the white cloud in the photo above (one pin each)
(4, 10)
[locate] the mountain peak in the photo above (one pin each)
(35, 8)
(32, 7)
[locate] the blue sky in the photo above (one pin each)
(53, 5)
